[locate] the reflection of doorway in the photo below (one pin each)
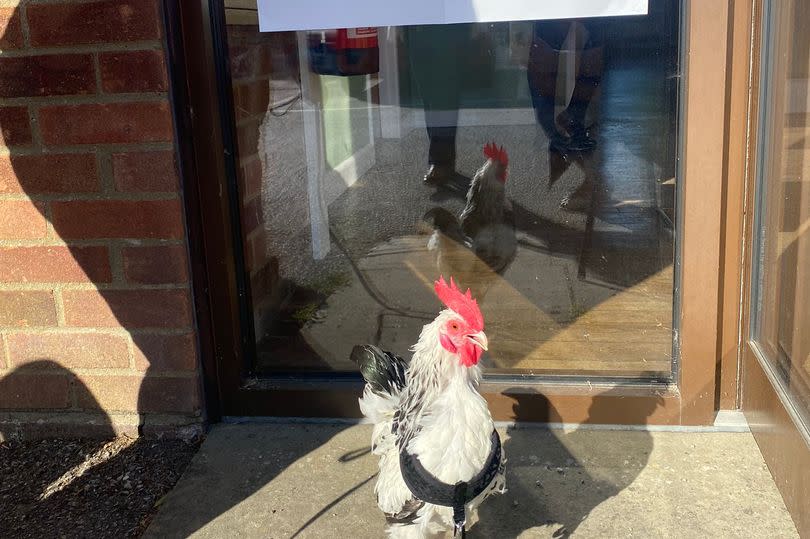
(246, 392)
(338, 125)
(585, 280)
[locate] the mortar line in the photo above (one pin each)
(60, 306)
(6, 350)
(116, 263)
(36, 134)
(131, 352)
(125, 46)
(97, 72)
(24, 29)
(113, 147)
(87, 99)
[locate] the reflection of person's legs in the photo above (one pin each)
(542, 75)
(441, 129)
(544, 58)
(589, 76)
(436, 66)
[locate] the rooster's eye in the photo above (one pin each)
(454, 326)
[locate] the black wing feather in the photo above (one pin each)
(383, 371)
(446, 223)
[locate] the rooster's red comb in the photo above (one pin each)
(462, 304)
(492, 151)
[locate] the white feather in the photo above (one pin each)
(446, 424)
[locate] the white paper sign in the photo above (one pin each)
(280, 15)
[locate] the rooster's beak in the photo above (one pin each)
(480, 339)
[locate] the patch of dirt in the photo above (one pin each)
(86, 488)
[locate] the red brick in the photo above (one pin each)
(134, 71)
(158, 353)
(34, 390)
(178, 395)
(250, 59)
(22, 220)
(147, 171)
(251, 98)
(50, 74)
(132, 309)
(118, 219)
(10, 32)
(48, 173)
(247, 138)
(27, 308)
(252, 215)
(71, 350)
(94, 22)
(140, 394)
(108, 123)
(110, 393)
(155, 265)
(250, 178)
(15, 128)
(256, 249)
(264, 282)
(54, 264)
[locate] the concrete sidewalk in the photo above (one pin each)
(299, 480)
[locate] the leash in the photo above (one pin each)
(426, 487)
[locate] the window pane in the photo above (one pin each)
(781, 315)
(357, 154)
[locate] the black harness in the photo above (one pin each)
(426, 487)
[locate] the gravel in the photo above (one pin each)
(86, 488)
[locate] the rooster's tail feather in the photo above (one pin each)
(445, 222)
(383, 371)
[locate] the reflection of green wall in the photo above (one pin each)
(345, 116)
(485, 82)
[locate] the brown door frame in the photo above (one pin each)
(689, 400)
(785, 448)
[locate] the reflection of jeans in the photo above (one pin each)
(544, 111)
(436, 56)
(441, 129)
(548, 38)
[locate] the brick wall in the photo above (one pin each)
(252, 72)
(95, 308)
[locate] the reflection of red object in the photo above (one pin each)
(356, 38)
(345, 51)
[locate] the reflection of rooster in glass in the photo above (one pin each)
(481, 242)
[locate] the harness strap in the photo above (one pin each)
(426, 487)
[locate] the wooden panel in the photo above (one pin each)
(737, 131)
(785, 450)
(700, 207)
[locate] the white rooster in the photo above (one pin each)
(440, 455)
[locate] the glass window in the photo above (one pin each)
(359, 150)
(781, 299)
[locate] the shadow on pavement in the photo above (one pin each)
(555, 478)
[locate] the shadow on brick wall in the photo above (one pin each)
(96, 317)
(93, 262)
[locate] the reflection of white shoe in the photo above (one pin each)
(439, 174)
(575, 202)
